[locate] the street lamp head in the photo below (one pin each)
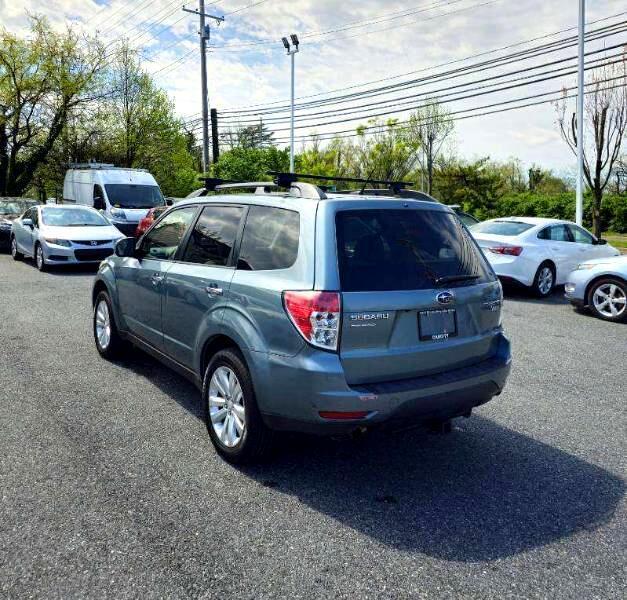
(285, 43)
(294, 38)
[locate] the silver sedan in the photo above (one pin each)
(601, 286)
(63, 234)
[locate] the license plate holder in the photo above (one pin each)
(437, 324)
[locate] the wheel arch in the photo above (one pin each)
(212, 346)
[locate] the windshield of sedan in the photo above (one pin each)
(13, 208)
(507, 228)
(72, 217)
(127, 195)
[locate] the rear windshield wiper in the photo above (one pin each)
(453, 278)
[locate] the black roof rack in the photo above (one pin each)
(287, 179)
(402, 193)
(212, 182)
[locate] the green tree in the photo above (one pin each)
(44, 80)
(250, 164)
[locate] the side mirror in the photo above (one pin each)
(169, 202)
(99, 203)
(125, 247)
(601, 242)
(27, 223)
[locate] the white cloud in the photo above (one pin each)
(241, 75)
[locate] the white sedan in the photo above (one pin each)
(539, 253)
(63, 234)
(600, 285)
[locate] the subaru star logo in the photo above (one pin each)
(445, 297)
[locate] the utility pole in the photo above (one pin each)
(205, 36)
(214, 135)
(580, 84)
(291, 52)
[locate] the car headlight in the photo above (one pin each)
(58, 242)
(117, 213)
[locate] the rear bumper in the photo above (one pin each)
(301, 387)
(517, 268)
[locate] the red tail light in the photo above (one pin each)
(509, 250)
(316, 316)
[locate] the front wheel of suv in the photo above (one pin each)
(608, 299)
(108, 340)
(233, 419)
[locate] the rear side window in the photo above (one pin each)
(556, 233)
(511, 228)
(385, 250)
(270, 239)
(212, 239)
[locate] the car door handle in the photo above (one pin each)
(214, 290)
(156, 279)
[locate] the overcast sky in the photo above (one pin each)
(352, 43)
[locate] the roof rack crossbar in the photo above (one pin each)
(286, 179)
(245, 185)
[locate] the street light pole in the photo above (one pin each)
(580, 117)
(292, 49)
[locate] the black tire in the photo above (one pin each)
(256, 439)
(620, 292)
(40, 260)
(15, 253)
(539, 286)
(111, 349)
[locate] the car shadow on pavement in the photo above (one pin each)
(481, 493)
(513, 291)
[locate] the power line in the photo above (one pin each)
(445, 64)
(403, 125)
(532, 52)
(411, 100)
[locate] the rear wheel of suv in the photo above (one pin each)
(544, 281)
(608, 299)
(233, 420)
(108, 340)
(15, 253)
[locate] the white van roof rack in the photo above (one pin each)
(95, 165)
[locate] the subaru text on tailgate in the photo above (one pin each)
(308, 311)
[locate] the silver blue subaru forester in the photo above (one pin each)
(304, 310)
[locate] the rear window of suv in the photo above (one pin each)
(385, 250)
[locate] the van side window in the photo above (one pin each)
(270, 239)
(163, 240)
(213, 237)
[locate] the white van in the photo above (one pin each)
(123, 195)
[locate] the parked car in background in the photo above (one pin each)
(601, 286)
(309, 311)
(538, 253)
(123, 195)
(151, 216)
(11, 209)
(61, 235)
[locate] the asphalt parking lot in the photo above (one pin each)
(110, 487)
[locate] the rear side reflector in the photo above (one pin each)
(316, 316)
(509, 250)
(343, 416)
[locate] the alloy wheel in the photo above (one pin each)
(13, 247)
(103, 325)
(226, 407)
(545, 280)
(609, 300)
(40, 257)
